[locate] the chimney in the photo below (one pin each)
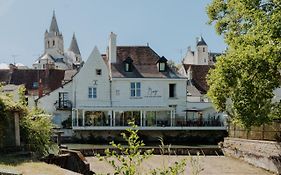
(40, 88)
(112, 50)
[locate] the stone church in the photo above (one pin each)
(54, 56)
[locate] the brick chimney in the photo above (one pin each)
(40, 88)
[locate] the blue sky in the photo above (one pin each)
(169, 26)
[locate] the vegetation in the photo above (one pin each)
(245, 77)
(35, 125)
(176, 168)
(36, 131)
(128, 159)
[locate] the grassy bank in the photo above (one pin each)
(29, 166)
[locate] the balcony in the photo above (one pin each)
(63, 105)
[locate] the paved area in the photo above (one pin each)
(208, 165)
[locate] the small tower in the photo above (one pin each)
(54, 39)
(75, 49)
(201, 56)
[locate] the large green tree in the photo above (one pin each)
(245, 77)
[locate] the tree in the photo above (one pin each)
(244, 78)
(35, 124)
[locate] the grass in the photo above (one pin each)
(29, 166)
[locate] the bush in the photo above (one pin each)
(36, 131)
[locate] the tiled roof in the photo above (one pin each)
(144, 63)
(199, 76)
(5, 76)
(201, 42)
(68, 74)
(51, 79)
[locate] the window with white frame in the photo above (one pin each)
(92, 92)
(135, 89)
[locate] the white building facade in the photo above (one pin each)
(127, 83)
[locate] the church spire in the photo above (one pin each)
(74, 46)
(201, 42)
(54, 25)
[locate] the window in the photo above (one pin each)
(63, 100)
(128, 64)
(162, 61)
(203, 49)
(127, 67)
(172, 90)
(162, 67)
(53, 42)
(92, 92)
(135, 89)
(98, 71)
(48, 44)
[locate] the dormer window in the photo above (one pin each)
(162, 67)
(162, 64)
(128, 64)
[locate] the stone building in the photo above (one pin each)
(54, 56)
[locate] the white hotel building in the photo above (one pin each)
(128, 82)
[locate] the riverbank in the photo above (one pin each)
(210, 165)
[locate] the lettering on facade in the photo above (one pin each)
(95, 82)
(152, 93)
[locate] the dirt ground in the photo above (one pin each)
(208, 165)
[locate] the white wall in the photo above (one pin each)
(87, 78)
(189, 58)
(47, 102)
(154, 92)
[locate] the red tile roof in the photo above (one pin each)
(51, 79)
(199, 76)
(144, 63)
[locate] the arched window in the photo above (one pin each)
(53, 42)
(48, 44)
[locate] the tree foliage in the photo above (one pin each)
(36, 131)
(35, 124)
(128, 159)
(245, 77)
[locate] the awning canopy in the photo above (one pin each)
(193, 110)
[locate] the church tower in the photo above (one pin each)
(75, 49)
(54, 39)
(202, 56)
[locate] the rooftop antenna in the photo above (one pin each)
(14, 58)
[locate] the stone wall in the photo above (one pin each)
(264, 154)
(170, 137)
(71, 160)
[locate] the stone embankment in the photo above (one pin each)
(264, 154)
